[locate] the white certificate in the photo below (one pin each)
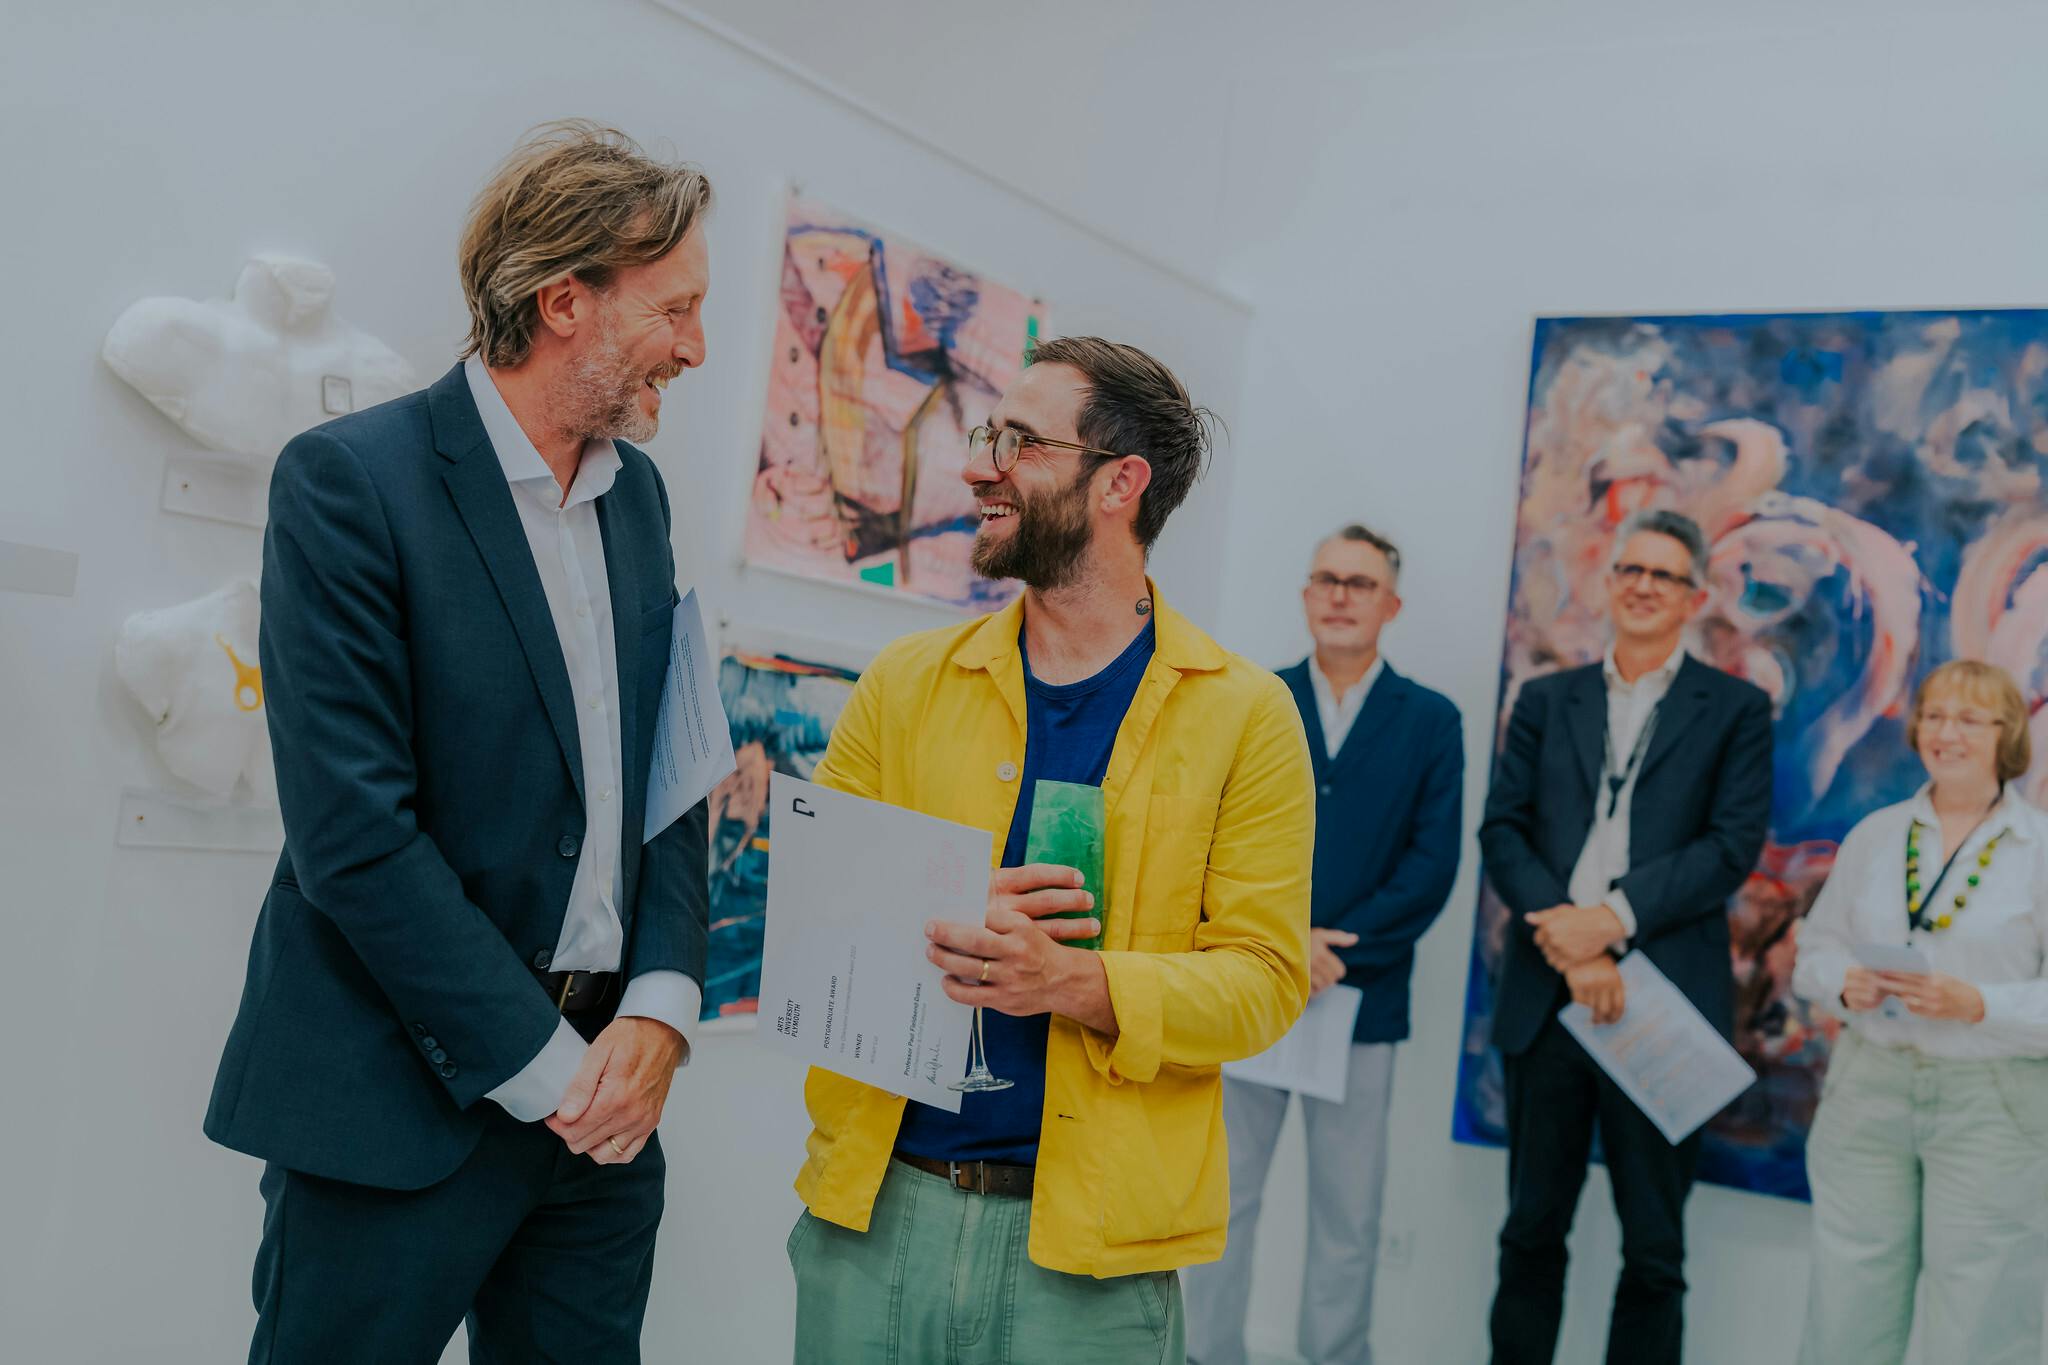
(1662, 1052)
(692, 742)
(1314, 1057)
(845, 984)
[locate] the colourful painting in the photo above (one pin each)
(886, 356)
(781, 711)
(1872, 488)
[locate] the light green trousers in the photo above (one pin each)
(940, 1278)
(1922, 1167)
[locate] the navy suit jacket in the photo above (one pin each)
(1388, 811)
(1697, 822)
(432, 790)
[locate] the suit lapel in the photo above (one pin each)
(1381, 708)
(1587, 710)
(621, 570)
(1304, 691)
(476, 481)
(1683, 705)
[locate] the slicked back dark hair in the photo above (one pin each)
(1135, 406)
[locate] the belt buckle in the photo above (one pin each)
(953, 1169)
(568, 986)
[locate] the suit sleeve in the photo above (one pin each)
(1247, 979)
(1520, 876)
(1397, 913)
(672, 918)
(1696, 879)
(337, 683)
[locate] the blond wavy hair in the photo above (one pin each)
(575, 198)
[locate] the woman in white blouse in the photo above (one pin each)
(1929, 1154)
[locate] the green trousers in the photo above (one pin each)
(941, 1278)
(1927, 1168)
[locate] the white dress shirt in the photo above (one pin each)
(1338, 712)
(1998, 942)
(1605, 857)
(568, 552)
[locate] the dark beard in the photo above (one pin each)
(1050, 543)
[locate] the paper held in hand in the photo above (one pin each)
(1314, 1057)
(1662, 1052)
(692, 741)
(845, 983)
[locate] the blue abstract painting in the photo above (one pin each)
(1871, 485)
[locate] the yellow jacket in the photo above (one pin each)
(1211, 810)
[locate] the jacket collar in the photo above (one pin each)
(1178, 643)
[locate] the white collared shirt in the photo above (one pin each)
(568, 553)
(1338, 713)
(1998, 941)
(1605, 857)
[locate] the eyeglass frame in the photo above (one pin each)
(1661, 580)
(1934, 720)
(1024, 438)
(1327, 584)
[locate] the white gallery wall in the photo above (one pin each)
(149, 150)
(1398, 189)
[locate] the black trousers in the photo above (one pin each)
(1556, 1095)
(547, 1255)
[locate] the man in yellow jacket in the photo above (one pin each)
(1047, 1221)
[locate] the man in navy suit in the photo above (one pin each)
(471, 983)
(1630, 801)
(1389, 759)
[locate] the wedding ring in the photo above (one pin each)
(615, 1145)
(984, 971)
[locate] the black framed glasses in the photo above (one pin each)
(1009, 442)
(1663, 580)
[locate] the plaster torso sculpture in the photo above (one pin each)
(193, 669)
(245, 375)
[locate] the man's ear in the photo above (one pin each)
(1129, 478)
(563, 305)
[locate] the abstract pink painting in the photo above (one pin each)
(886, 356)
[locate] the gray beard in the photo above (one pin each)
(597, 399)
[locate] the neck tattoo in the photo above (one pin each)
(1144, 606)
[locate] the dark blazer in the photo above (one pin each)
(1388, 816)
(432, 791)
(1697, 821)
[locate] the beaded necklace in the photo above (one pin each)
(1916, 903)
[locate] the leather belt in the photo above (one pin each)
(976, 1177)
(578, 992)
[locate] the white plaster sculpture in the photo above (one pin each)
(245, 375)
(193, 668)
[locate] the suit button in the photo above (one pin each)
(568, 846)
(419, 1030)
(430, 1044)
(437, 1056)
(447, 1071)
(541, 960)
(1323, 790)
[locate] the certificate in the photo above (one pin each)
(692, 742)
(1314, 1057)
(845, 984)
(1662, 1052)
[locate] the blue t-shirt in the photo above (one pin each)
(1069, 733)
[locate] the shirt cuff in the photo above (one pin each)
(1617, 901)
(672, 997)
(1137, 997)
(536, 1089)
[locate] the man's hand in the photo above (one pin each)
(1596, 983)
(1325, 968)
(1018, 962)
(1571, 934)
(1935, 995)
(615, 1100)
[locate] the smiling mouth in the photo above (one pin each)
(992, 512)
(661, 378)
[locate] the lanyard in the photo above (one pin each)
(1616, 781)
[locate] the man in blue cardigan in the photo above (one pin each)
(1389, 760)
